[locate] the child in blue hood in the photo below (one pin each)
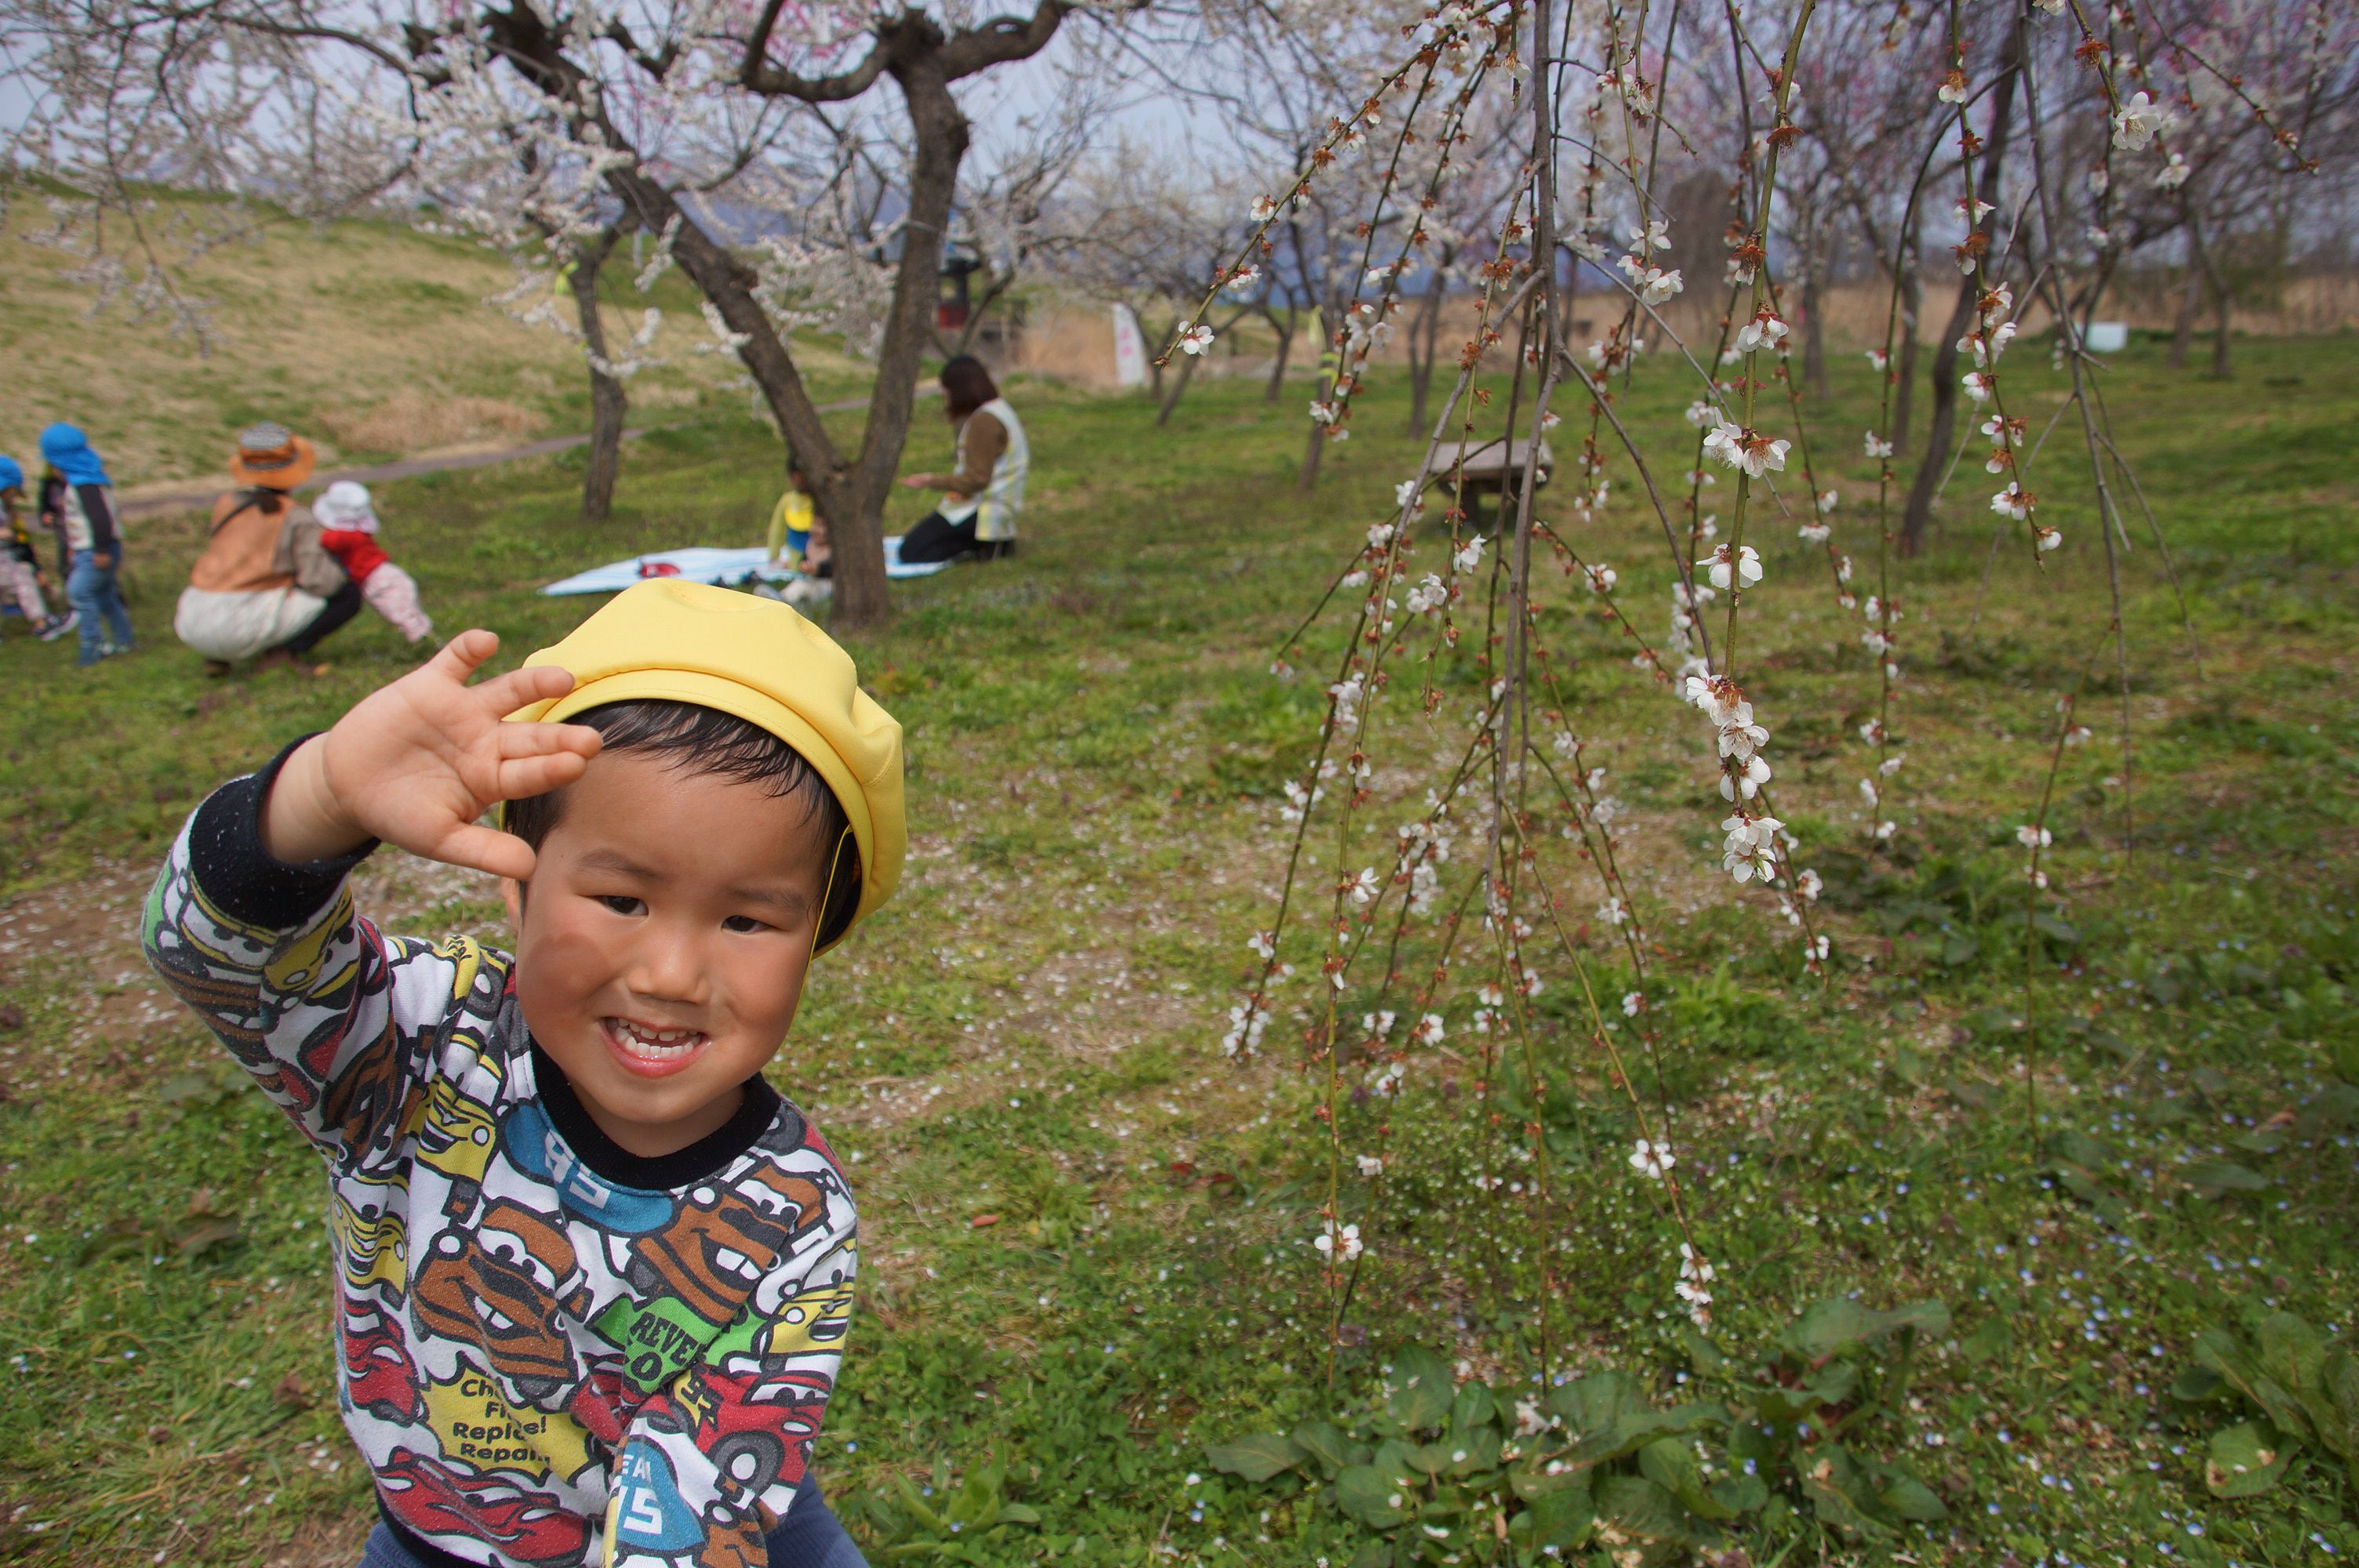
(78, 501)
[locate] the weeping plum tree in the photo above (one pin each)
(1452, 823)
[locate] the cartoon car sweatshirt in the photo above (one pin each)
(533, 1321)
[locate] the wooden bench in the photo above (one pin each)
(1494, 467)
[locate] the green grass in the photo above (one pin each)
(1030, 1033)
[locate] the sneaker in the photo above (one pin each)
(58, 626)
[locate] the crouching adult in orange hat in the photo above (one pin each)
(265, 587)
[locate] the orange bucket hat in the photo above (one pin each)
(272, 458)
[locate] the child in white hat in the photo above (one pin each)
(348, 530)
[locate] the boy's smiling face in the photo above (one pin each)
(662, 942)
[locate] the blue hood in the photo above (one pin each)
(68, 450)
(11, 476)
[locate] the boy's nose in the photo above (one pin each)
(668, 966)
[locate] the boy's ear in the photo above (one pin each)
(512, 894)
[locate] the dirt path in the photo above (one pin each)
(195, 495)
(198, 495)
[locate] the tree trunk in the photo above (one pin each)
(850, 495)
(1912, 308)
(1422, 335)
(1814, 331)
(1285, 347)
(1308, 477)
(2221, 306)
(1155, 366)
(608, 402)
(1942, 432)
(2182, 328)
(1178, 385)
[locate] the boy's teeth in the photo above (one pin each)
(656, 1042)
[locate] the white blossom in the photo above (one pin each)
(2138, 122)
(1764, 330)
(1652, 1159)
(1750, 850)
(1341, 1245)
(1725, 571)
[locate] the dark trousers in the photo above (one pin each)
(935, 537)
(340, 607)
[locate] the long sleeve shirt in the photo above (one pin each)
(544, 1339)
(83, 516)
(982, 438)
(356, 548)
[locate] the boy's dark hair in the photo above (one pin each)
(699, 740)
(966, 385)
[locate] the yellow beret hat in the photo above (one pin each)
(756, 658)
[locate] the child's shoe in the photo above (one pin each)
(56, 626)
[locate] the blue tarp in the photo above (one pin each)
(704, 563)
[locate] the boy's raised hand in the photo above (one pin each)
(417, 762)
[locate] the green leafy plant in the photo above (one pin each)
(1435, 1471)
(1832, 1371)
(972, 1522)
(2303, 1389)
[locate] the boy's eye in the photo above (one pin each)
(623, 903)
(743, 923)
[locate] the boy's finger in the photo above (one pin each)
(522, 776)
(459, 657)
(521, 688)
(486, 849)
(541, 739)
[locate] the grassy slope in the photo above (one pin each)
(1028, 1032)
(318, 327)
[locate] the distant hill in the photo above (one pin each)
(369, 336)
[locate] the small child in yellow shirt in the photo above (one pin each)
(792, 522)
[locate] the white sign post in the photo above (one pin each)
(1129, 350)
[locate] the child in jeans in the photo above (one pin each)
(78, 502)
(594, 1272)
(348, 528)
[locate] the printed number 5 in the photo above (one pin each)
(641, 1515)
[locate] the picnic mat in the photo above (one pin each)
(702, 562)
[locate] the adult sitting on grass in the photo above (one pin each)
(265, 586)
(977, 514)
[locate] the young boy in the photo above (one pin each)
(595, 1273)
